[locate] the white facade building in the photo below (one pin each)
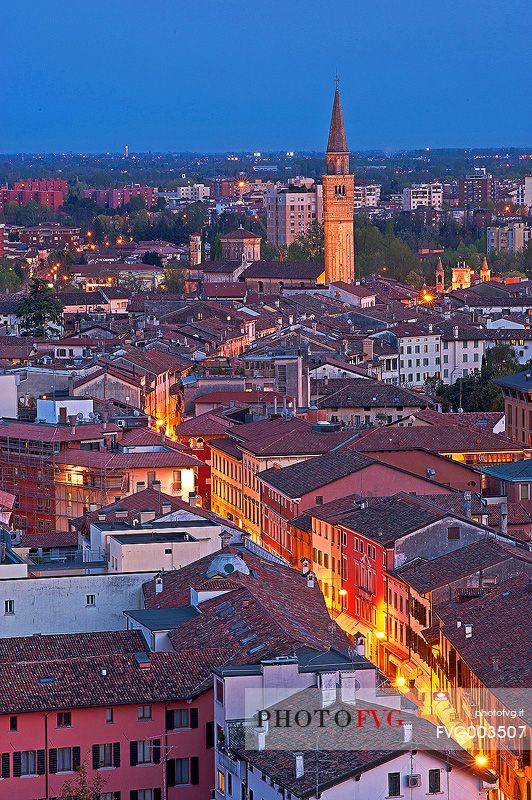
(368, 196)
(423, 195)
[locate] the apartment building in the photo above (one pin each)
(511, 238)
(291, 211)
(419, 353)
(423, 195)
(368, 196)
(477, 190)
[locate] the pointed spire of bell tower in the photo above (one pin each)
(337, 156)
(337, 142)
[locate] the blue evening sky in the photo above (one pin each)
(217, 75)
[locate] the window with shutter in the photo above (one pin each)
(52, 761)
(156, 751)
(209, 735)
(170, 772)
(434, 781)
(5, 765)
(17, 764)
(116, 754)
(194, 770)
(76, 758)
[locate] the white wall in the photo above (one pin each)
(48, 410)
(59, 604)
(8, 396)
(124, 557)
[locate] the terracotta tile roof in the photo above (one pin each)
(286, 437)
(79, 683)
(440, 439)
(228, 446)
(105, 459)
(299, 479)
(425, 576)
(284, 270)
(56, 539)
(208, 424)
(270, 609)
(62, 647)
(114, 372)
(36, 432)
(349, 393)
(146, 437)
(501, 627)
(387, 519)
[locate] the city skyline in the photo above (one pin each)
(159, 93)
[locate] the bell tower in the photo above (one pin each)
(338, 202)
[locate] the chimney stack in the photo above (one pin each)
(503, 518)
(305, 565)
(407, 732)
(455, 332)
(72, 421)
(311, 580)
(467, 504)
(299, 765)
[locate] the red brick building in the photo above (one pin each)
(50, 192)
(114, 198)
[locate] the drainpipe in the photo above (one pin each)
(165, 757)
(46, 776)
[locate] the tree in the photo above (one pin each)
(309, 246)
(152, 257)
(9, 278)
(81, 786)
(499, 361)
(173, 281)
(268, 251)
(414, 279)
(40, 309)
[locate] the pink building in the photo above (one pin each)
(292, 211)
(101, 700)
(286, 493)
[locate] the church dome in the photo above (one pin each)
(225, 564)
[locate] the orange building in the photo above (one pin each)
(338, 203)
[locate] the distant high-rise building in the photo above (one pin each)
(509, 238)
(291, 211)
(338, 202)
(423, 195)
(528, 191)
(126, 153)
(477, 190)
(368, 196)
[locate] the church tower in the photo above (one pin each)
(485, 272)
(338, 202)
(440, 278)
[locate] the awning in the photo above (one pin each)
(348, 623)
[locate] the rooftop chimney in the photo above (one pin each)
(299, 765)
(311, 580)
(455, 331)
(260, 738)
(495, 662)
(503, 518)
(146, 516)
(72, 421)
(407, 732)
(468, 630)
(467, 504)
(305, 565)
(166, 507)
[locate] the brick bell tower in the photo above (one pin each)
(338, 202)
